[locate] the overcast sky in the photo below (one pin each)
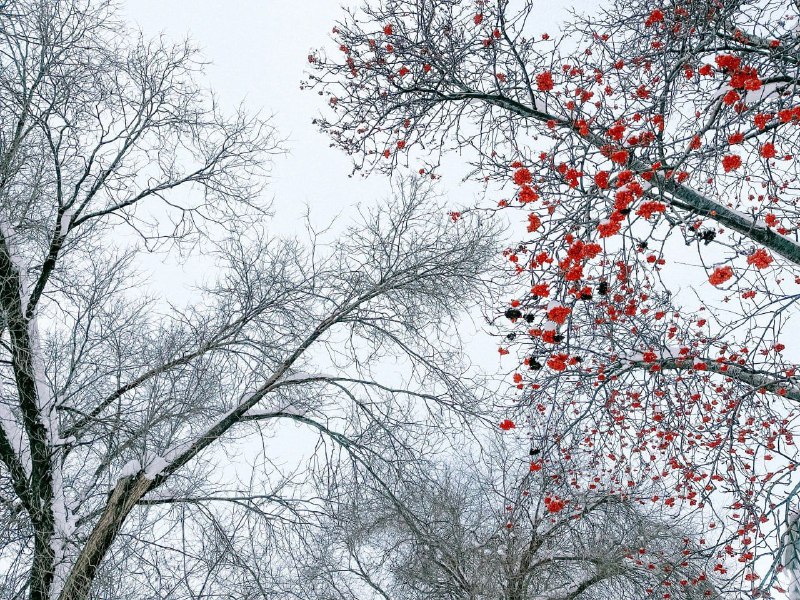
(258, 50)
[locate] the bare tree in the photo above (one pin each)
(115, 408)
(487, 526)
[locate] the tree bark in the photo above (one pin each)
(124, 497)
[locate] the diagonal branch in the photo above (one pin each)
(782, 386)
(690, 199)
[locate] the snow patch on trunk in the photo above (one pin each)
(129, 469)
(66, 221)
(19, 444)
(154, 468)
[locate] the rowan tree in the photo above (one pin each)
(648, 155)
(117, 407)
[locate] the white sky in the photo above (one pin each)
(258, 50)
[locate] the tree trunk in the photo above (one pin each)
(126, 494)
(41, 577)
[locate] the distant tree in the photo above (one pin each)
(116, 408)
(651, 154)
(478, 528)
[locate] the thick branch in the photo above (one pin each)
(756, 379)
(690, 199)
